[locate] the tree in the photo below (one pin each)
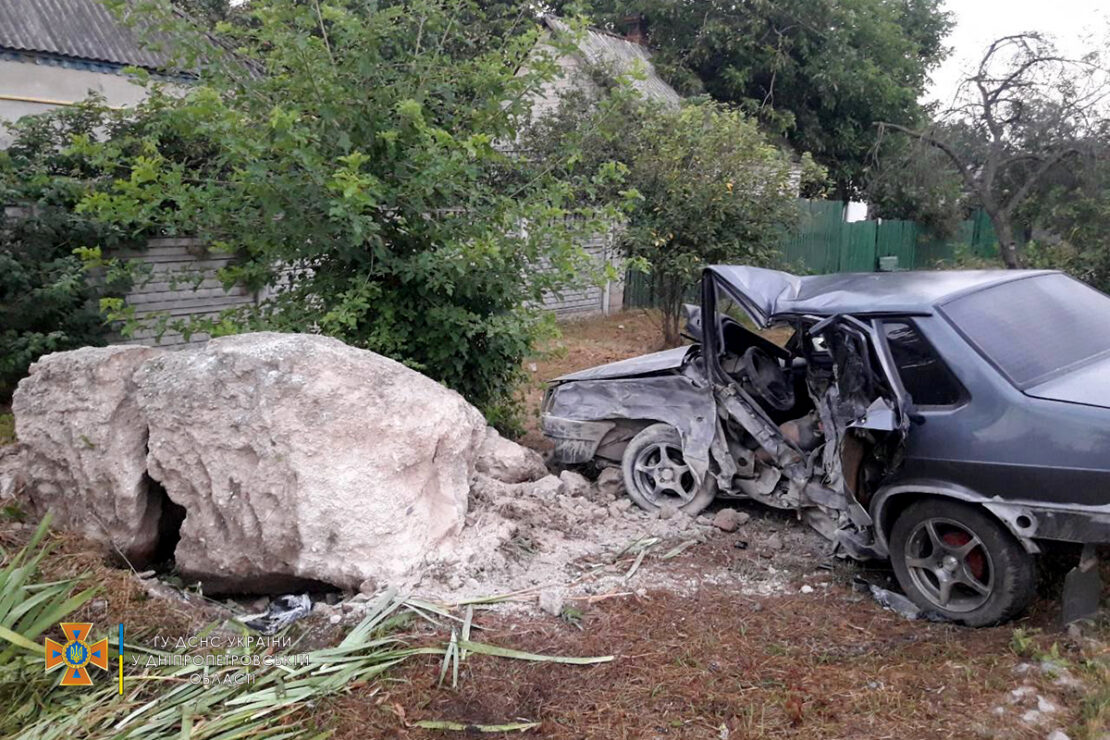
(705, 184)
(1025, 112)
(819, 72)
(209, 12)
(351, 145)
(1071, 211)
(908, 179)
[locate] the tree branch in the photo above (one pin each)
(1019, 195)
(948, 150)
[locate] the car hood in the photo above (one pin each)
(668, 359)
(1089, 385)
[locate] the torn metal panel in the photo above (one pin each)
(677, 399)
(656, 362)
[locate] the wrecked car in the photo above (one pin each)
(954, 421)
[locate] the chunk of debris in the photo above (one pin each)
(668, 511)
(729, 520)
(508, 462)
(896, 603)
(282, 612)
(551, 601)
(575, 484)
(610, 482)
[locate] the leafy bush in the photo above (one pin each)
(48, 301)
(353, 146)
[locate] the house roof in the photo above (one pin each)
(622, 57)
(74, 29)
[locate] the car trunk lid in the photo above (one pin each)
(1088, 384)
(668, 359)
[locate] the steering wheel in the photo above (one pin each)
(768, 378)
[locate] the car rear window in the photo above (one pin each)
(1035, 328)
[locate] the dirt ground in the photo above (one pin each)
(712, 665)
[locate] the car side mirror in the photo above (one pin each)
(693, 321)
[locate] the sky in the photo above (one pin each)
(1075, 24)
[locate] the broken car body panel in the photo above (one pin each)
(586, 408)
(668, 359)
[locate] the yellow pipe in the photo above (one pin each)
(48, 101)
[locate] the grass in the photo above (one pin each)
(190, 692)
(165, 693)
(7, 429)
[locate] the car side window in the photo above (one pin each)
(925, 376)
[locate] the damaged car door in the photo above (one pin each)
(813, 431)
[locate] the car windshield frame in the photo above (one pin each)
(943, 309)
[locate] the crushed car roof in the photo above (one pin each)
(774, 292)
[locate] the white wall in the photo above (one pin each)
(27, 88)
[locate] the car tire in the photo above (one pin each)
(955, 560)
(647, 458)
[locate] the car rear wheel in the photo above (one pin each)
(656, 473)
(953, 559)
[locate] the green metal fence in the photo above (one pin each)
(823, 243)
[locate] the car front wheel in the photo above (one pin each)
(656, 473)
(953, 559)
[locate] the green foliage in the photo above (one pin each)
(48, 301)
(703, 184)
(913, 181)
(820, 72)
(28, 608)
(712, 190)
(177, 697)
(1076, 212)
(353, 145)
(7, 429)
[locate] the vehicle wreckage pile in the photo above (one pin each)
(266, 462)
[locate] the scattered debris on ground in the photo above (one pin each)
(587, 541)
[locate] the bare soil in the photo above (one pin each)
(714, 665)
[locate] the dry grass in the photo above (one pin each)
(831, 665)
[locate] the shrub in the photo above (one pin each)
(48, 301)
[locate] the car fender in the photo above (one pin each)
(684, 402)
(879, 508)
